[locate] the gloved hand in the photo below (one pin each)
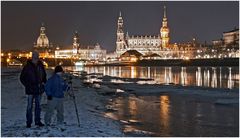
(49, 98)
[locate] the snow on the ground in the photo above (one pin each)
(90, 107)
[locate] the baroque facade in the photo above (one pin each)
(82, 52)
(230, 38)
(143, 44)
(43, 46)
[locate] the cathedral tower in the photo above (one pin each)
(76, 42)
(164, 31)
(120, 43)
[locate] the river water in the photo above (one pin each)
(173, 114)
(214, 77)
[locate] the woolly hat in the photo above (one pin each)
(58, 69)
(35, 54)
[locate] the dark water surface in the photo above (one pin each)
(175, 115)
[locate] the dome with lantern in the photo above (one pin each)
(42, 40)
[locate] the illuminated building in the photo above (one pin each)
(130, 56)
(42, 40)
(76, 43)
(228, 46)
(164, 31)
(146, 44)
(82, 52)
(67, 53)
(231, 37)
(42, 46)
(92, 53)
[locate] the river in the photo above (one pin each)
(214, 77)
(175, 114)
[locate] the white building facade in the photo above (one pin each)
(143, 44)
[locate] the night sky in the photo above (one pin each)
(96, 22)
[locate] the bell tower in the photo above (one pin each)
(75, 42)
(164, 31)
(120, 43)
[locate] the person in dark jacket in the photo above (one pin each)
(33, 77)
(54, 89)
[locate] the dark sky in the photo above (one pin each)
(96, 22)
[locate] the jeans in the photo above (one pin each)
(55, 103)
(37, 99)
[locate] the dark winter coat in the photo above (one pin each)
(32, 77)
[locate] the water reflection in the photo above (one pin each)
(164, 112)
(183, 76)
(169, 115)
(230, 78)
(215, 77)
(199, 77)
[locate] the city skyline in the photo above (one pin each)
(96, 22)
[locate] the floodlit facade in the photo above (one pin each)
(92, 53)
(82, 52)
(231, 37)
(42, 40)
(43, 46)
(146, 44)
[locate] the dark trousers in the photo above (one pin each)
(37, 99)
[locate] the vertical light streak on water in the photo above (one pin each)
(120, 71)
(183, 76)
(164, 112)
(115, 71)
(214, 78)
(108, 70)
(208, 78)
(170, 74)
(220, 77)
(199, 77)
(104, 70)
(149, 72)
(133, 72)
(230, 78)
(132, 108)
(165, 75)
(155, 73)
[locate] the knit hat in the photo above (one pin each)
(35, 55)
(58, 69)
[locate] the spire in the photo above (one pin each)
(42, 29)
(127, 34)
(120, 14)
(165, 11)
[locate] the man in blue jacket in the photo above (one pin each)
(55, 88)
(33, 77)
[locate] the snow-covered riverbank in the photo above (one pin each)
(90, 106)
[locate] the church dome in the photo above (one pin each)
(42, 40)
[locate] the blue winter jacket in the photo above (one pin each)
(55, 86)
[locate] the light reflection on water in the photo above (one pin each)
(176, 116)
(215, 77)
